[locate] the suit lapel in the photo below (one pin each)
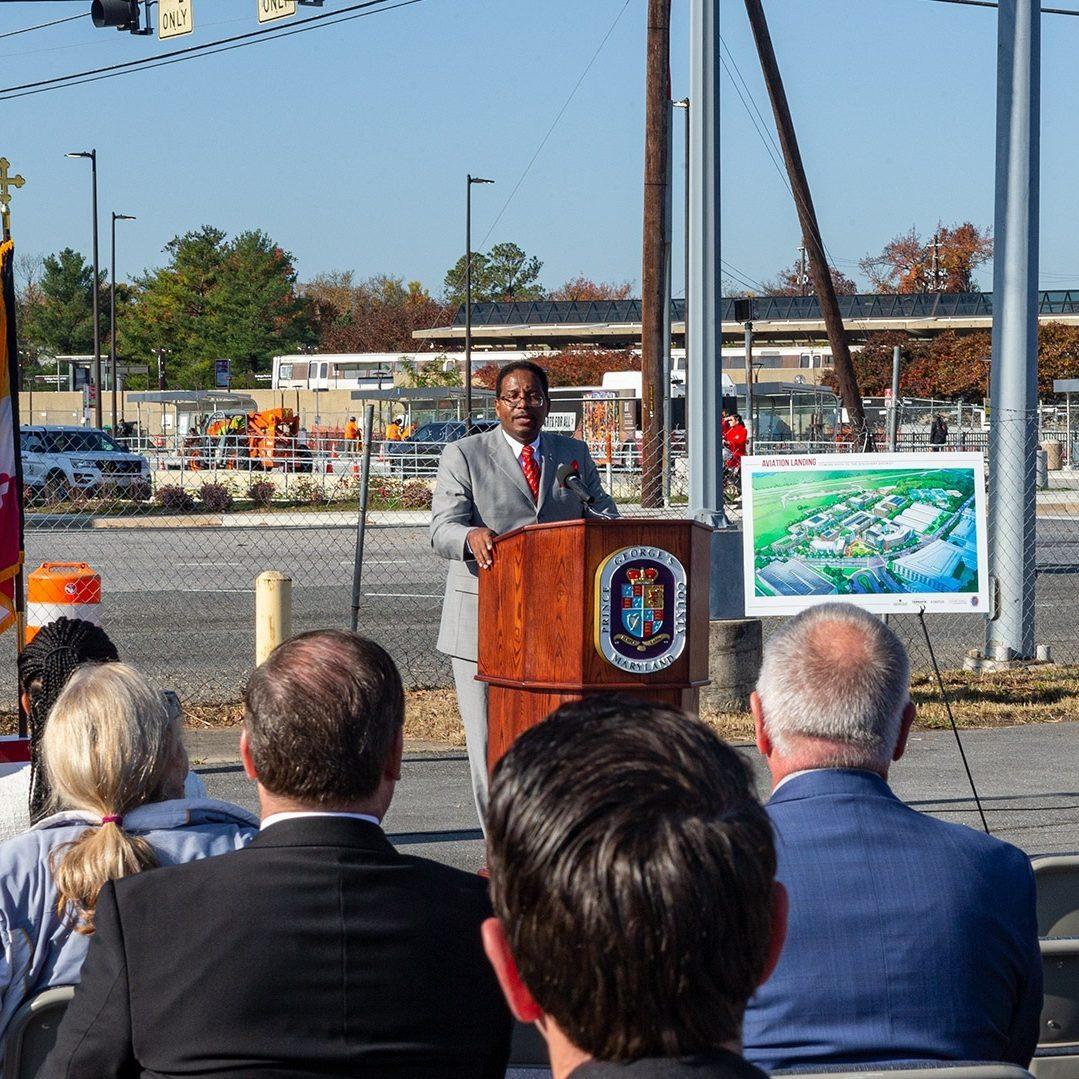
(503, 457)
(547, 469)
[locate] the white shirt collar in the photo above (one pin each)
(806, 771)
(794, 775)
(517, 447)
(276, 818)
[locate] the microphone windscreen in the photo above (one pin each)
(563, 472)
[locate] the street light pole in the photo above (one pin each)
(468, 295)
(112, 315)
(92, 156)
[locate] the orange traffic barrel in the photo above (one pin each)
(61, 590)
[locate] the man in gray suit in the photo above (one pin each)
(488, 484)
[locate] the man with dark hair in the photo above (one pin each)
(487, 484)
(633, 879)
(319, 949)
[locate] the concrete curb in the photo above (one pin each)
(282, 519)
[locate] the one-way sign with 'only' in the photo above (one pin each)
(276, 9)
(174, 18)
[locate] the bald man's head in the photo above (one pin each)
(833, 688)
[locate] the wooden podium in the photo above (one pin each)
(589, 606)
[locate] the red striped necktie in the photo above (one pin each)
(531, 470)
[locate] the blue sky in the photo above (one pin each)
(349, 145)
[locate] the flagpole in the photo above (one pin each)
(14, 385)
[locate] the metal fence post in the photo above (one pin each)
(1012, 496)
(893, 419)
(361, 516)
(704, 328)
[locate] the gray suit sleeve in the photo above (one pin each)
(451, 506)
(590, 477)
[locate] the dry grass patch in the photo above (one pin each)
(1038, 694)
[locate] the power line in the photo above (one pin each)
(42, 25)
(992, 3)
(209, 48)
(554, 124)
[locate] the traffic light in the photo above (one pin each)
(120, 14)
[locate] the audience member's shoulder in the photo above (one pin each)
(1005, 856)
(468, 888)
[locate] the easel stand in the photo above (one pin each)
(951, 719)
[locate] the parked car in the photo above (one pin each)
(418, 454)
(60, 461)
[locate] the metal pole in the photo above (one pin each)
(97, 313)
(468, 304)
(112, 324)
(893, 418)
(361, 517)
(749, 387)
(1013, 385)
(704, 384)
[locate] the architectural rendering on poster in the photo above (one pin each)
(890, 532)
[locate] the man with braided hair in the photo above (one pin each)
(45, 665)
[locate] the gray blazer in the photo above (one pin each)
(481, 485)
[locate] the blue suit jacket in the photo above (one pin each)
(909, 938)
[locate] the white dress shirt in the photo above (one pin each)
(276, 818)
(518, 447)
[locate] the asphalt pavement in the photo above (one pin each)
(1027, 779)
(179, 601)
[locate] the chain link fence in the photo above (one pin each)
(179, 528)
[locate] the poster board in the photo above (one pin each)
(891, 532)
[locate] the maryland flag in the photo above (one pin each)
(11, 553)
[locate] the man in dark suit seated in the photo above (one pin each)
(633, 878)
(319, 949)
(910, 938)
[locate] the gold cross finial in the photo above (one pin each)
(7, 182)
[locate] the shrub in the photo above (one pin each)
(416, 496)
(173, 497)
(307, 492)
(216, 497)
(261, 493)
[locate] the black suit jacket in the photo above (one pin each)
(319, 950)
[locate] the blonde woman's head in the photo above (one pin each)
(110, 745)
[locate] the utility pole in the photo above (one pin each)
(657, 124)
(846, 379)
(1013, 372)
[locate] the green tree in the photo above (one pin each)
(218, 298)
(505, 273)
(433, 372)
(57, 310)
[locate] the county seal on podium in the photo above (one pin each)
(641, 609)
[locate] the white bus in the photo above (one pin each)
(370, 370)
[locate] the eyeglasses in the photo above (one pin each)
(532, 400)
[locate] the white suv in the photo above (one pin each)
(59, 461)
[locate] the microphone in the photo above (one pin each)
(569, 478)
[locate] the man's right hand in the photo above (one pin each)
(481, 542)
